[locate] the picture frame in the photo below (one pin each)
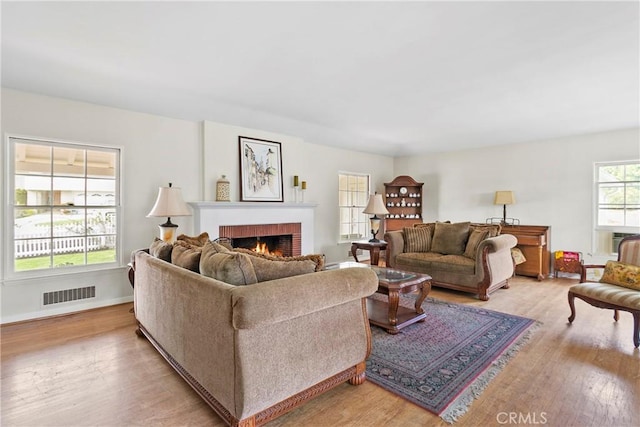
(260, 170)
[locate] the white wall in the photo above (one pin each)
(317, 164)
(552, 181)
(157, 150)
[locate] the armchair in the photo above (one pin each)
(619, 288)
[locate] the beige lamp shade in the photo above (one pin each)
(169, 203)
(376, 206)
(504, 198)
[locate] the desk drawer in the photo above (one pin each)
(528, 240)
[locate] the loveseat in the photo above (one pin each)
(463, 256)
(253, 351)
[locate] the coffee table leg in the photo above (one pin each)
(394, 299)
(424, 291)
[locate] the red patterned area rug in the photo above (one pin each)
(444, 363)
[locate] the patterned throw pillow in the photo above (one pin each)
(618, 273)
(475, 237)
(450, 239)
(417, 239)
(161, 249)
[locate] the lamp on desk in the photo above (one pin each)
(375, 207)
(504, 198)
(169, 203)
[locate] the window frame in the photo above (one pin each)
(364, 217)
(8, 261)
(602, 234)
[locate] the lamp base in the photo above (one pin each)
(168, 232)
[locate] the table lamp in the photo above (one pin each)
(504, 198)
(169, 203)
(375, 207)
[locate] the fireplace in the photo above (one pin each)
(220, 219)
(276, 239)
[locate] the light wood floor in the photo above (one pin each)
(91, 369)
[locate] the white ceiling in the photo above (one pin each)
(395, 78)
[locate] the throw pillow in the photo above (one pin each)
(316, 258)
(161, 249)
(417, 239)
(186, 256)
(475, 237)
(450, 239)
(194, 240)
(493, 229)
(230, 267)
(618, 273)
(270, 270)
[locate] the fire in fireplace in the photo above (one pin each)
(269, 245)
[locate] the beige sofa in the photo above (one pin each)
(467, 257)
(257, 351)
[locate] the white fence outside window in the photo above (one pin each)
(38, 243)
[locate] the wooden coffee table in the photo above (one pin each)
(391, 315)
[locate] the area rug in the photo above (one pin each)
(445, 362)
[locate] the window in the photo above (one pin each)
(617, 203)
(353, 193)
(63, 203)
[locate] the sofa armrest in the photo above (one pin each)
(395, 246)
(283, 299)
(498, 243)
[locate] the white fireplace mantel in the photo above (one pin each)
(209, 216)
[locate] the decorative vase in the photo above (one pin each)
(223, 193)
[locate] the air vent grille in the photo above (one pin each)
(66, 295)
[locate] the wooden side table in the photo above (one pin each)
(374, 249)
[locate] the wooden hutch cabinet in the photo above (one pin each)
(403, 199)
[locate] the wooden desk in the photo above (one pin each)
(374, 249)
(534, 242)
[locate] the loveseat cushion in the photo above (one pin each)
(227, 266)
(450, 239)
(417, 239)
(161, 249)
(621, 274)
(186, 256)
(431, 262)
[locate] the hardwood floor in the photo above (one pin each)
(91, 369)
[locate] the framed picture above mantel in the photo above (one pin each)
(260, 170)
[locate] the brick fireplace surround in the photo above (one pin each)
(217, 218)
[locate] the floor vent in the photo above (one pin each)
(57, 297)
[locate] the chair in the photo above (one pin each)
(613, 296)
